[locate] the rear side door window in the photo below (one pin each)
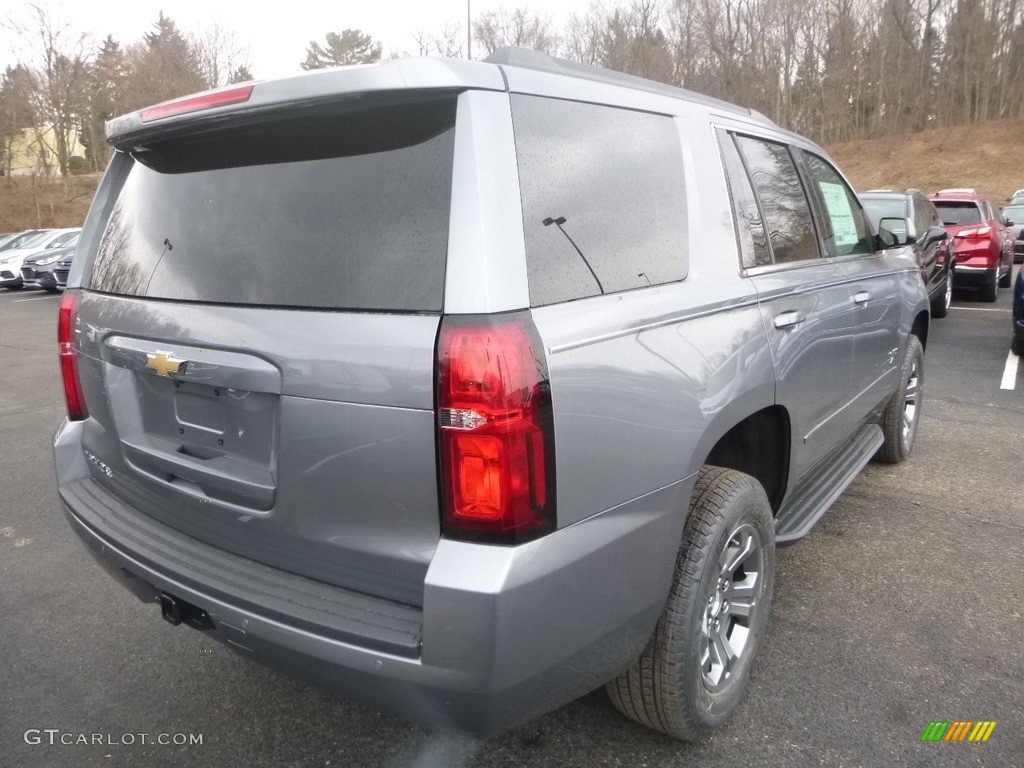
(750, 231)
(782, 200)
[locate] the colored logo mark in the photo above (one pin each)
(958, 730)
(164, 363)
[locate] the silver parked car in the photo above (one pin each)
(463, 388)
(12, 261)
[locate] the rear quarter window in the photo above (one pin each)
(337, 206)
(604, 207)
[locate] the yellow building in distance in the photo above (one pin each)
(34, 151)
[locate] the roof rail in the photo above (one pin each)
(526, 58)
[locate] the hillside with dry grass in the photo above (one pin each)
(986, 156)
(27, 203)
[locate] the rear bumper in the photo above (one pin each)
(974, 277)
(504, 634)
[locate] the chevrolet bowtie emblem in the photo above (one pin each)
(165, 363)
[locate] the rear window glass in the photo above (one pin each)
(884, 208)
(954, 213)
(338, 206)
(604, 206)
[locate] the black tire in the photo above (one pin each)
(1007, 280)
(991, 291)
(1017, 346)
(17, 287)
(940, 307)
(50, 288)
(675, 686)
(903, 412)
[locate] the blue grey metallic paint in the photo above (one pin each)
(644, 383)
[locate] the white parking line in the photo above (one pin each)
(34, 298)
(1010, 372)
(980, 309)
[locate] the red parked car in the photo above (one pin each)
(984, 247)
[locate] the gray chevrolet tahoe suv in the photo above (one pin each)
(464, 388)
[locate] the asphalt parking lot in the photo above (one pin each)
(904, 606)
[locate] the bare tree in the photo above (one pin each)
(57, 67)
(582, 40)
(634, 42)
(518, 27)
(218, 55)
(449, 42)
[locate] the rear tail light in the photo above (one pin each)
(976, 234)
(67, 320)
(495, 430)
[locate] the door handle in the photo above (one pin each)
(789, 319)
(861, 297)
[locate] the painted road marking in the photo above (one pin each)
(35, 298)
(1010, 371)
(980, 309)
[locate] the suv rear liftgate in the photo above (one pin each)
(283, 436)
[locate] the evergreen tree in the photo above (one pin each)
(350, 47)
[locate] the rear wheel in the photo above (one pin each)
(16, 287)
(902, 414)
(695, 668)
(1017, 346)
(940, 307)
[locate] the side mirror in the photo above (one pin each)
(935, 234)
(892, 232)
(1009, 223)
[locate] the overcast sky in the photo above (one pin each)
(277, 41)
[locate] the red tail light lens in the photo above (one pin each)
(495, 431)
(976, 234)
(67, 319)
(197, 102)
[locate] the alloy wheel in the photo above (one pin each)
(910, 404)
(731, 606)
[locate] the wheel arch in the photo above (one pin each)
(919, 327)
(758, 444)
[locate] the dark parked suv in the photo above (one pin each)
(1013, 219)
(464, 388)
(911, 218)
